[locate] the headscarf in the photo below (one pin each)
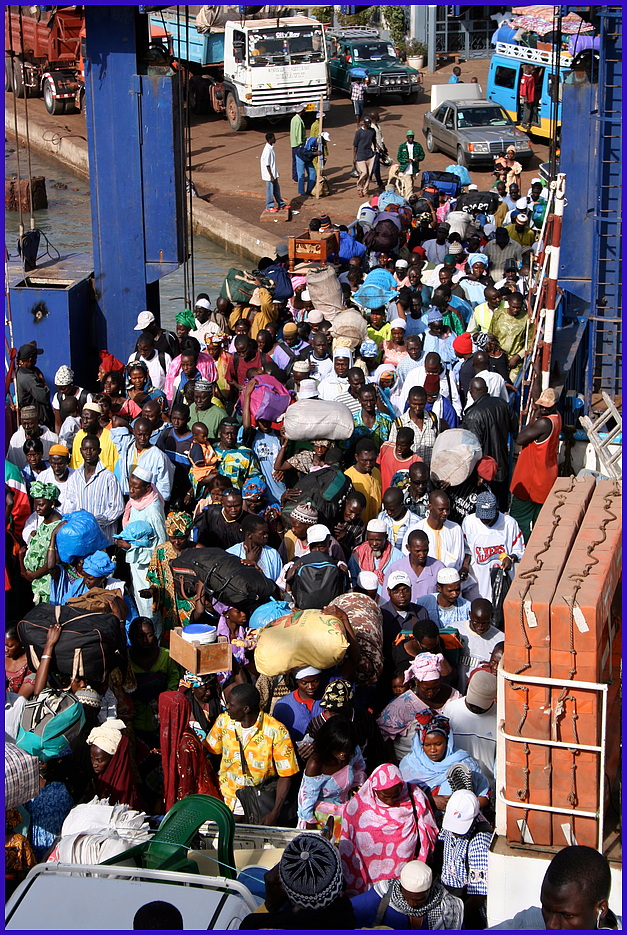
(111, 364)
(383, 370)
(60, 450)
(480, 340)
(189, 680)
(398, 323)
(254, 487)
(39, 490)
(417, 767)
(369, 348)
(178, 524)
(426, 667)
(337, 695)
(378, 839)
(118, 783)
(107, 736)
(344, 352)
(186, 318)
(98, 564)
(311, 872)
(478, 258)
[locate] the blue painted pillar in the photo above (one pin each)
(137, 205)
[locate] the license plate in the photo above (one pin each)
(310, 106)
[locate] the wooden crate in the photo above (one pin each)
(198, 659)
(312, 247)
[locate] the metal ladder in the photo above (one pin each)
(610, 463)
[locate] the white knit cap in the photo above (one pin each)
(143, 474)
(416, 877)
(448, 576)
(376, 525)
(368, 581)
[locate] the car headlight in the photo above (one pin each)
(372, 79)
(386, 81)
(479, 148)
(413, 79)
(523, 144)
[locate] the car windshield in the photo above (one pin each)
(374, 51)
(482, 117)
(284, 46)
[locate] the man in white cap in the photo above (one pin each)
(399, 613)
(376, 554)
(136, 450)
(479, 637)
(316, 578)
(165, 341)
(307, 389)
(466, 837)
(473, 722)
(411, 901)
(65, 386)
(337, 381)
(447, 607)
(400, 272)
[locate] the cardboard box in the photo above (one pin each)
(199, 659)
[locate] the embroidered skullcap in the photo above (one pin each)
(311, 871)
(88, 697)
(433, 314)
(426, 667)
(448, 576)
(29, 412)
(178, 524)
(143, 474)
(203, 386)
(98, 565)
(39, 490)
(337, 695)
(64, 376)
(305, 513)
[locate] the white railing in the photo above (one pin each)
(540, 56)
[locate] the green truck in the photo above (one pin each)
(357, 47)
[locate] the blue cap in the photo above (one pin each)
(433, 314)
(487, 506)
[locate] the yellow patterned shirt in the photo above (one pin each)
(269, 751)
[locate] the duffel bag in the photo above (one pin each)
(269, 399)
(445, 182)
(238, 286)
(304, 638)
(318, 418)
(51, 722)
(91, 644)
(326, 489)
(224, 577)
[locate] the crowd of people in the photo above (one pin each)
(391, 752)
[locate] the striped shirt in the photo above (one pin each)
(100, 495)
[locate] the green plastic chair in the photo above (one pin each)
(167, 849)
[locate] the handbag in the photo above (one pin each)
(258, 800)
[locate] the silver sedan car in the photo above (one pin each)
(474, 132)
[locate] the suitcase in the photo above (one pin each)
(446, 182)
(91, 645)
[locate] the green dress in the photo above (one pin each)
(36, 556)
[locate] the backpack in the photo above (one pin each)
(50, 723)
(224, 577)
(318, 579)
(283, 289)
(326, 490)
(91, 644)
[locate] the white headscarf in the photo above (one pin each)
(107, 736)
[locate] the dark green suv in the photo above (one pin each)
(359, 47)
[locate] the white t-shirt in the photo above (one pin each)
(268, 159)
(55, 402)
(446, 544)
(495, 384)
(475, 733)
(477, 649)
(47, 477)
(486, 543)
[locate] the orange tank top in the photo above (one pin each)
(536, 468)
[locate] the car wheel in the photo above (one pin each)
(461, 157)
(430, 143)
(237, 120)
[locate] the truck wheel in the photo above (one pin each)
(461, 157)
(412, 98)
(198, 96)
(237, 121)
(53, 105)
(18, 80)
(8, 73)
(430, 143)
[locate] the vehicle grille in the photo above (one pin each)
(499, 147)
(301, 95)
(393, 79)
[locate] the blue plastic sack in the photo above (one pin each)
(81, 536)
(461, 172)
(268, 613)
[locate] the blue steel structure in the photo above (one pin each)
(588, 344)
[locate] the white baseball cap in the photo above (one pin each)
(461, 810)
(143, 320)
(473, 188)
(308, 389)
(317, 533)
(396, 578)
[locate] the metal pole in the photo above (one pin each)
(320, 148)
(553, 272)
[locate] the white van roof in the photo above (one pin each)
(454, 92)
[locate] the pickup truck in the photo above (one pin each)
(358, 47)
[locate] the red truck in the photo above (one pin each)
(43, 55)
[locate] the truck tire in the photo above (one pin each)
(18, 81)
(461, 157)
(8, 73)
(430, 143)
(198, 96)
(53, 105)
(237, 120)
(412, 98)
